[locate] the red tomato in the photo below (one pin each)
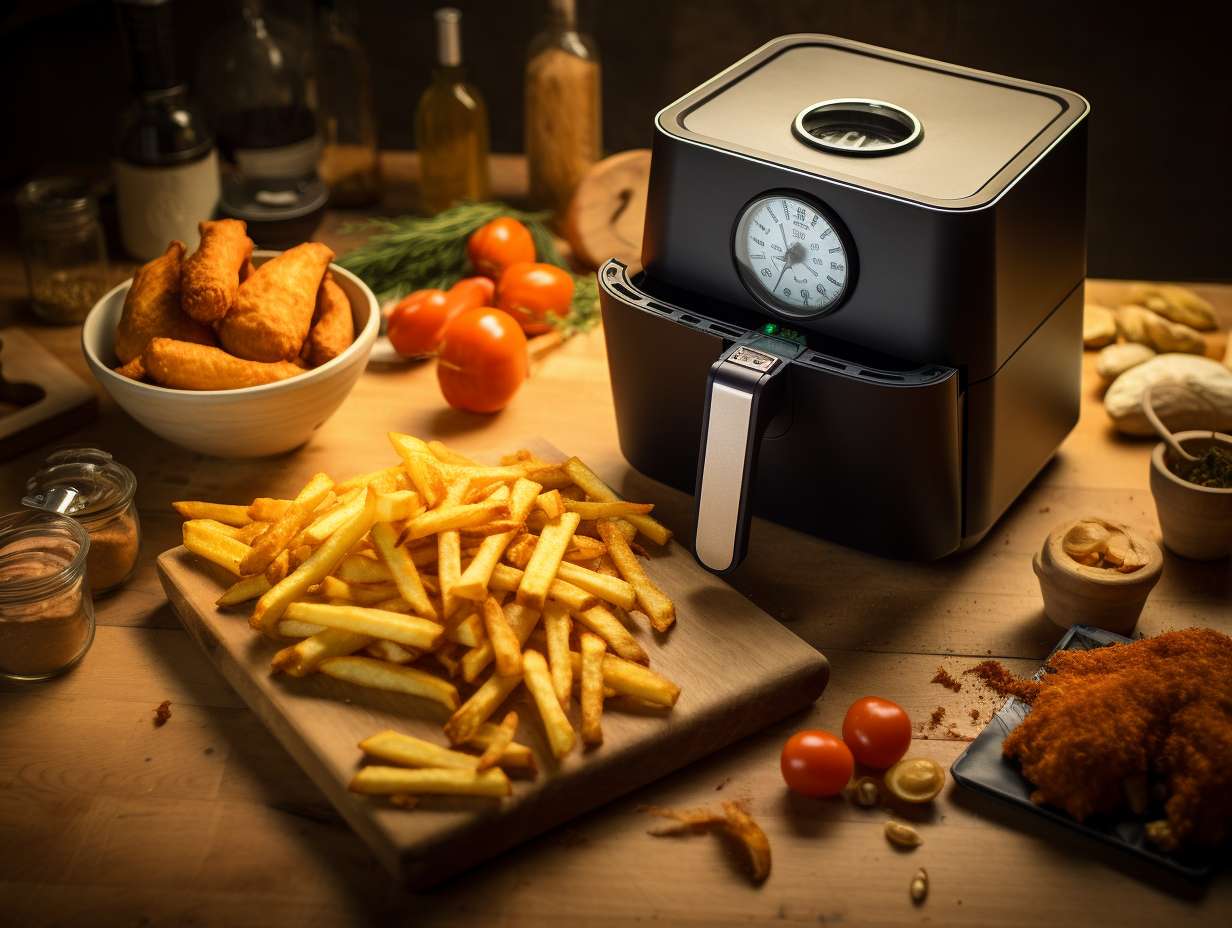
(417, 324)
(816, 763)
(877, 731)
(482, 360)
(531, 292)
(498, 244)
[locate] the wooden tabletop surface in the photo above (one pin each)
(105, 819)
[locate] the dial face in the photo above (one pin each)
(791, 256)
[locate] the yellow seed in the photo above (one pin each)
(915, 779)
(866, 792)
(919, 886)
(902, 835)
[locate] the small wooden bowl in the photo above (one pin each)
(1196, 521)
(1076, 594)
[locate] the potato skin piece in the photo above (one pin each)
(188, 366)
(334, 329)
(274, 309)
(210, 279)
(152, 308)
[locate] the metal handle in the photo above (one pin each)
(742, 392)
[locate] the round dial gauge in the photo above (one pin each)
(793, 258)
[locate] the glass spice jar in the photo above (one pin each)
(97, 491)
(64, 248)
(46, 611)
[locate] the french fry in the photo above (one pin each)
(506, 579)
(385, 781)
(370, 594)
(506, 649)
(359, 568)
(561, 737)
(591, 696)
(596, 489)
(733, 821)
(220, 512)
(392, 652)
(473, 583)
(614, 590)
(250, 532)
(265, 509)
(448, 518)
(213, 525)
(654, 602)
(361, 481)
(515, 757)
(551, 504)
(581, 549)
(604, 623)
(397, 506)
(215, 547)
(410, 751)
(626, 678)
(401, 567)
(495, 750)
(521, 620)
(278, 568)
(303, 657)
(556, 627)
(294, 517)
(469, 632)
(242, 591)
(375, 674)
(447, 455)
(291, 628)
(271, 606)
(410, 630)
(465, 721)
(545, 561)
(345, 508)
(615, 509)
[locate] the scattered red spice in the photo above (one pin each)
(975, 715)
(995, 676)
(162, 713)
(934, 720)
(943, 677)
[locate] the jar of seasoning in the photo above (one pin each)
(63, 247)
(46, 612)
(97, 491)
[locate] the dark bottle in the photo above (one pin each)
(348, 163)
(166, 167)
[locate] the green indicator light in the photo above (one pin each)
(770, 328)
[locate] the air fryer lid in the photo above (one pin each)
(876, 118)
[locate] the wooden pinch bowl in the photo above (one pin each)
(1196, 521)
(1076, 594)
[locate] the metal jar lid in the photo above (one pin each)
(85, 483)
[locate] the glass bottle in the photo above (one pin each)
(348, 162)
(63, 247)
(166, 167)
(564, 124)
(451, 126)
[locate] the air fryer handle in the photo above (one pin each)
(743, 391)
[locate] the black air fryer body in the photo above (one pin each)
(904, 417)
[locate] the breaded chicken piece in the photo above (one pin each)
(152, 308)
(134, 369)
(334, 328)
(274, 309)
(210, 278)
(188, 366)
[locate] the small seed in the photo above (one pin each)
(919, 886)
(902, 835)
(866, 792)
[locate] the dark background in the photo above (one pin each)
(1156, 75)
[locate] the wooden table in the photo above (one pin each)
(105, 819)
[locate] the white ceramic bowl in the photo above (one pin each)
(248, 422)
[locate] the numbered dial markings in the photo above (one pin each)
(791, 256)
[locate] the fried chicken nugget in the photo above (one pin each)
(152, 308)
(334, 328)
(134, 369)
(274, 309)
(210, 278)
(188, 366)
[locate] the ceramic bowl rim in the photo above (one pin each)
(1159, 465)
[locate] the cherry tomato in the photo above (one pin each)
(877, 731)
(816, 763)
(531, 292)
(482, 360)
(417, 324)
(498, 244)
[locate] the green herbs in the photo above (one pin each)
(1213, 469)
(418, 253)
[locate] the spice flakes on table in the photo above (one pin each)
(162, 713)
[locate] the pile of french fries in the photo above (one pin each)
(439, 577)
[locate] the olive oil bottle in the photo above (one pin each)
(451, 126)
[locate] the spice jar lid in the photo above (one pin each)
(85, 483)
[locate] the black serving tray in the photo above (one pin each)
(982, 767)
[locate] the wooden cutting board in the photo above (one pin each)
(739, 670)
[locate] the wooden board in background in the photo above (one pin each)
(739, 670)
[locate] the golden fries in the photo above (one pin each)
(465, 722)
(385, 781)
(303, 658)
(506, 649)
(275, 538)
(556, 627)
(515, 757)
(596, 489)
(626, 678)
(614, 590)
(654, 602)
(604, 623)
(401, 567)
(613, 510)
(473, 583)
(560, 733)
(733, 821)
(382, 676)
(243, 591)
(591, 695)
(223, 550)
(410, 751)
(500, 742)
(545, 561)
(220, 512)
(409, 630)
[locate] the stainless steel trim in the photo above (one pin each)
(808, 138)
(718, 499)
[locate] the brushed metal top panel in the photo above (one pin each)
(975, 124)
